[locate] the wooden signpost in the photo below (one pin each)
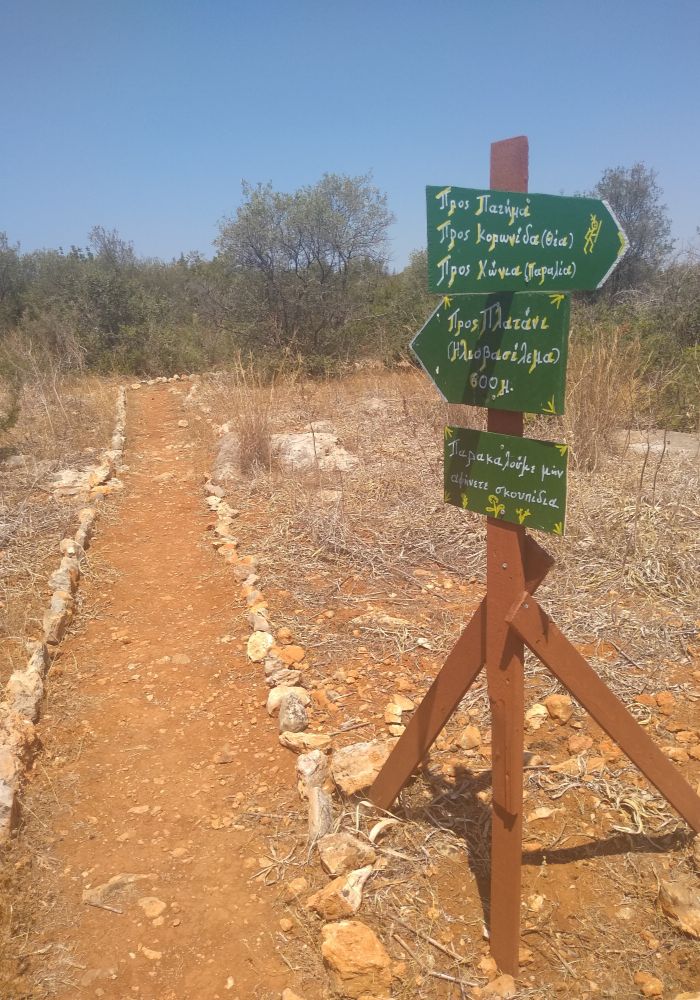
(484, 241)
(499, 473)
(507, 350)
(509, 478)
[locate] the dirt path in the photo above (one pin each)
(131, 779)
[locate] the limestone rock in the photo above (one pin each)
(320, 814)
(297, 887)
(101, 474)
(69, 547)
(680, 903)
(579, 743)
(649, 986)
(535, 716)
(666, 702)
(379, 620)
(226, 461)
(307, 451)
(283, 676)
(277, 695)
(67, 576)
(303, 742)
(312, 772)
(58, 617)
(290, 654)
(293, 717)
(152, 906)
(24, 692)
(258, 646)
(560, 707)
(342, 897)
(469, 738)
(103, 895)
(9, 788)
(259, 622)
(242, 571)
(341, 853)
(355, 767)
(254, 599)
(502, 986)
(83, 535)
(356, 959)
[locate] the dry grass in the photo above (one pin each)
(250, 402)
(625, 584)
(63, 422)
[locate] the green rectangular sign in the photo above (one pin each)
(509, 478)
(506, 350)
(505, 241)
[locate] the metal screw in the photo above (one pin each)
(505, 565)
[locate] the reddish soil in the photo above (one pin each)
(156, 696)
(152, 688)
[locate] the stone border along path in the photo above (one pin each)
(24, 691)
(354, 955)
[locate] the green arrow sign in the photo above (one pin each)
(506, 351)
(510, 478)
(486, 241)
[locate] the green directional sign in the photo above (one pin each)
(509, 478)
(503, 241)
(506, 350)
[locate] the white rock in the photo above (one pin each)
(377, 619)
(276, 695)
(680, 903)
(342, 897)
(259, 645)
(320, 813)
(535, 717)
(293, 717)
(226, 461)
(152, 906)
(303, 742)
(307, 451)
(355, 767)
(312, 771)
(342, 852)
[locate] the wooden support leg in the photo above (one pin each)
(505, 576)
(556, 652)
(461, 668)
(505, 675)
(459, 672)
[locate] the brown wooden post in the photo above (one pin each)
(568, 666)
(505, 583)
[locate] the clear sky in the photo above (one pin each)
(144, 115)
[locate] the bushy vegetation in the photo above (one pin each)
(301, 281)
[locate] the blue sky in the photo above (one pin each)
(145, 116)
